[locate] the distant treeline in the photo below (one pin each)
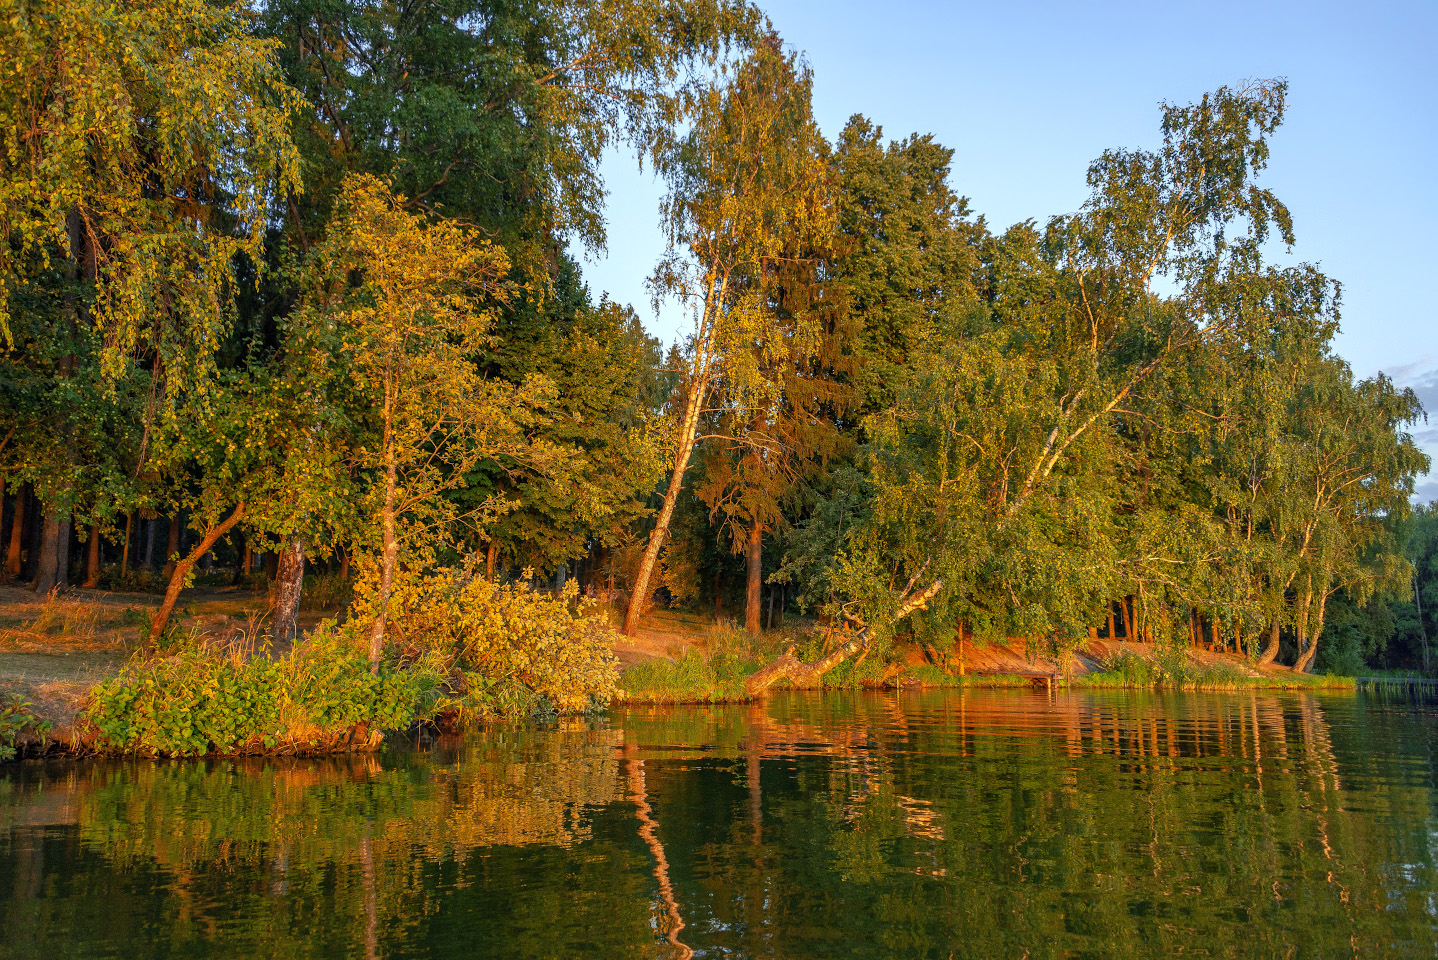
(301, 281)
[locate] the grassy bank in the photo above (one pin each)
(716, 674)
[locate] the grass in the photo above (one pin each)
(716, 673)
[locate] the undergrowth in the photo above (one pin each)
(18, 723)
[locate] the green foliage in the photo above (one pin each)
(556, 646)
(692, 677)
(326, 591)
(18, 722)
(201, 701)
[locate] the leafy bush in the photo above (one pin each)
(134, 580)
(559, 647)
(328, 591)
(17, 722)
(206, 701)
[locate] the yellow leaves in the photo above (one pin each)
(557, 646)
(125, 114)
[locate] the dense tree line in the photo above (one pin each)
(300, 281)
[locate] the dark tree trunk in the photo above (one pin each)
(92, 558)
(62, 553)
(172, 548)
(125, 553)
(33, 537)
(289, 583)
(17, 533)
(49, 553)
(242, 565)
(754, 582)
(149, 563)
(182, 569)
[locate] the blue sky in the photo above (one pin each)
(1028, 93)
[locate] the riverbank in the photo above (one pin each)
(714, 665)
(70, 685)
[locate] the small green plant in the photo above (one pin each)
(18, 722)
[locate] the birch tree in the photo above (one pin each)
(745, 182)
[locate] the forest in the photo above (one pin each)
(294, 290)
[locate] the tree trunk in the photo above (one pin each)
(1110, 621)
(754, 583)
(125, 553)
(150, 543)
(172, 548)
(807, 675)
(639, 598)
(17, 533)
(1270, 649)
(1305, 659)
(62, 552)
(45, 579)
(92, 559)
(391, 543)
(1127, 620)
(247, 554)
(289, 583)
(344, 563)
(182, 570)
(490, 555)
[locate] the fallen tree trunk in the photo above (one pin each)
(807, 675)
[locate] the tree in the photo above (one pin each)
(405, 304)
(745, 182)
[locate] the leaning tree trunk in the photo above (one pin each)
(639, 598)
(754, 580)
(289, 584)
(1270, 649)
(45, 567)
(182, 570)
(807, 675)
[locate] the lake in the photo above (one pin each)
(858, 825)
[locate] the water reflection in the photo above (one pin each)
(869, 825)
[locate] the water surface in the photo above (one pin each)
(935, 824)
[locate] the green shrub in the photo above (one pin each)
(328, 591)
(18, 722)
(134, 580)
(203, 700)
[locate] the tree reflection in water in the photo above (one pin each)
(865, 825)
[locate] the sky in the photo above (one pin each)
(1027, 94)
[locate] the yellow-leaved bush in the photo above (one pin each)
(557, 645)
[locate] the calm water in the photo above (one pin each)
(979, 824)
